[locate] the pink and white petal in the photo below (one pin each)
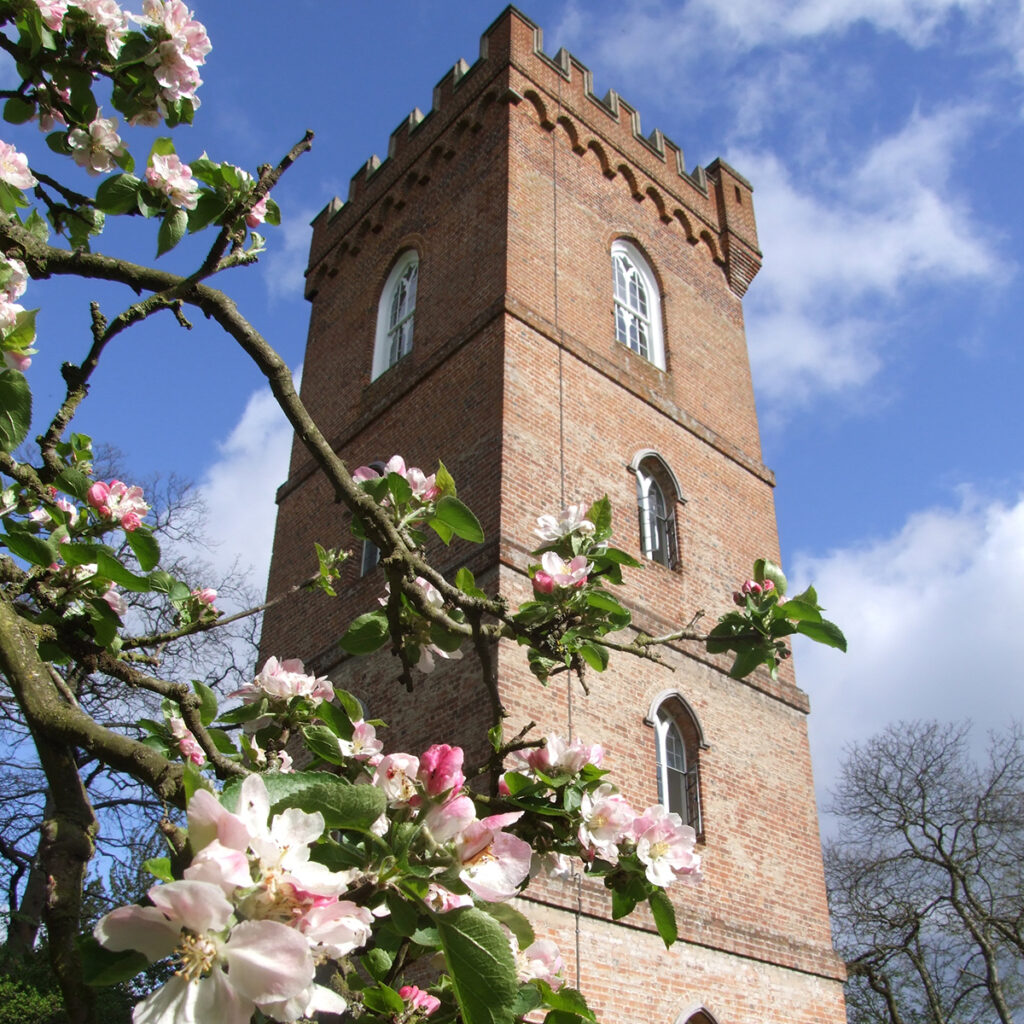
(209, 820)
(254, 805)
(268, 961)
(143, 928)
(315, 999)
(192, 1002)
(200, 906)
(294, 827)
(220, 865)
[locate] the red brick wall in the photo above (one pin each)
(512, 189)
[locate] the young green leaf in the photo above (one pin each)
(15, 409)
(366, 634)
(480, 962)
(459, 519)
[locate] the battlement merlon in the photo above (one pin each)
(714, 203)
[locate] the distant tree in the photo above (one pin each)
(926, 879)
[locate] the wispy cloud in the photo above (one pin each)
(284, 266)
(239, 488)
(625, 43)
(844, 241)
(932, 615)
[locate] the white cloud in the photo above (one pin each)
(625, 43)
(839, 241)
(284, 265)
(933, 618)
(239, 488)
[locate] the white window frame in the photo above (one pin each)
(637, 303)
(678, 785)
(388, 348)
(659, 535)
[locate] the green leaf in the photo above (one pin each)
(159, 867)
(764, 569)
(73, 482)
(172, 230)
(600, 514)
(466, 582)
(102, 967)
(11, 198)
(165, 583)
(404, 915)
(565, 1017)
(747, 659)
(342, 804)
(31, 548)
(528, 998)
(377, 962)
(15, 409)
(209, 206)
(480, 962)
(18, 110)
(145, 548)
(664, 916)
(459, 519)
(595, 655)
(383, 999)
(244, 713)
(193, 781)
(366, 634)
(444, 481)
(517, 923)
(567, 1000)
(823, 632)
(621, 558)
(443, 530)
(207, 702)
(351, 706)
(323, 742)
(37, 227)
(162, 146)
(119, 194)
(110, 568)
(800, 611)
(24, 332)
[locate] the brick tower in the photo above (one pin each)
(543, 297)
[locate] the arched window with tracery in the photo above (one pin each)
(396, 314)
(657, 495)
(637, 303)
(678, 741)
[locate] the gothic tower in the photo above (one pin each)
(540, 295)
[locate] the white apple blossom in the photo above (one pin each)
(267, 963)
(551, 529)
(14, 167)
(167, 174)
(607, 819)
(664, 845)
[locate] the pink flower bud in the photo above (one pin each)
(97, 496)
(752, 587)
(130, 522)
(441, 769)
(543, 583)
(767, 586)
(205, 596)
(419, 1000)
(738, 598)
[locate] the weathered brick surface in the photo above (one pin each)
(512, 190)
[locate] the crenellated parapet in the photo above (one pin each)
(711, 206)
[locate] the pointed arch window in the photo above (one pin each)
(657, 495)
(637, 303)
(678, 741)
(396, 314)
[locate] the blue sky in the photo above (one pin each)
(884, 142)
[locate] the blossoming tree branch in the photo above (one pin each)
(284, 892)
